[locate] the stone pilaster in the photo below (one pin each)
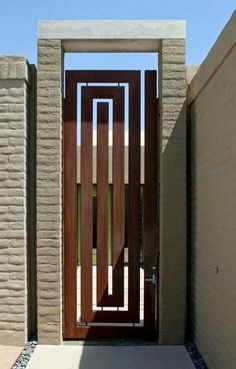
(14, 84)
(49, 191)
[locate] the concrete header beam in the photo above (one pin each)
(111, 35)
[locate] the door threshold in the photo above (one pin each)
(112, 342)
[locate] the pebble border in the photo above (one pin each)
(27, 352)
(195, 355)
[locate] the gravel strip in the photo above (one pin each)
(26, 354)
(195, 355)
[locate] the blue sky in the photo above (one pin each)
(205, 20)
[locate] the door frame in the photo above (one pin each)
(167, 38)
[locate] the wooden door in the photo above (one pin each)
(111, 289)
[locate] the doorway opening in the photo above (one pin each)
(111, 202)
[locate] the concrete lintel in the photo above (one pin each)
(110, 46)
(111, 35)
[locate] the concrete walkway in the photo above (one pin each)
(8, 356)
(110, 357)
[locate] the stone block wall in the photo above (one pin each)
(15, 86)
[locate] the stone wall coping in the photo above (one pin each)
(224, 43)
(191, 71)
(14, 67)
(111, 35)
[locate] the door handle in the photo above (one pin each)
(152, 280)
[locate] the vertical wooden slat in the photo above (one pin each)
(150, 198)
(134, 200)
(118, 204)
(102, 202)
(86, 206)
(70, 206)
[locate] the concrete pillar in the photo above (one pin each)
(49, 191)
(15, 84)
(172, 93)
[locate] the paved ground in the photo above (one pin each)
(8, 356)
(110, 357)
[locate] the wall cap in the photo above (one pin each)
(14, 67)
(224, 43)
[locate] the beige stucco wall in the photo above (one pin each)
(212, 98)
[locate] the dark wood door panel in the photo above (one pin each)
(111, 307)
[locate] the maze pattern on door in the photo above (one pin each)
(111, 293)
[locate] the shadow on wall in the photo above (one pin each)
(31, 204)
(173, 250)
(173, 229)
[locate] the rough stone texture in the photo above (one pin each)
(213, 112)
(172, 91)
(14, 79)
(49, 191)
